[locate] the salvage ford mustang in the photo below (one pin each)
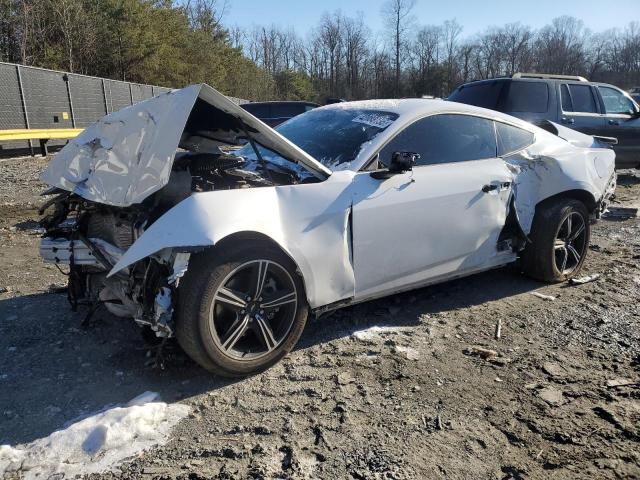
(189, 215)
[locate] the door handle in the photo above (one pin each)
(489, 188)
(570, 121)
(614, 122)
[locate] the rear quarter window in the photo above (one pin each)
(530, 97)
(484, 95)
(512, 139)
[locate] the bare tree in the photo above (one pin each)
(397, 16)
(330, 40)
(425, 52)
(206, 15)
(237, 36)
(517, 42)
(561, 47)
(355, 44)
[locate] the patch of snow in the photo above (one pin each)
(374, 333)
(97, 443)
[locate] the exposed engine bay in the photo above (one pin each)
(123, 173)
(89, 238)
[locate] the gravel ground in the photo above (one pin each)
(422, 397)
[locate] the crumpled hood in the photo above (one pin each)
(127, 155)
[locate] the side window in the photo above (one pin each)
(445, 138)
(581, 98)
(566, 99)
(512, 139)
(527, 96)
(615, 101)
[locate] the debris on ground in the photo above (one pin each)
(375, 333)
(622, 382)
(498, 330)
(583, 280)
(549, 298)
(481, 352)
(552, 396)
(621, 213)
(407, 352)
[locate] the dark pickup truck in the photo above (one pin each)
(593, 108)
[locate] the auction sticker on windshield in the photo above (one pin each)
(374, 120)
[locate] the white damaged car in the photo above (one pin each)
(159, 218)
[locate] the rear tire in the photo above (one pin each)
(560, 239)
(227, 321)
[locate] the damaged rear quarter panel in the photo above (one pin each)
(308, 221)
(553, 166)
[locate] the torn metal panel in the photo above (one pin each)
(128, 155)
(553, 166)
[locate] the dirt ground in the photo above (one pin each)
(415, 399)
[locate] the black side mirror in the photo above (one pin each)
(403, 161)
(400, 162)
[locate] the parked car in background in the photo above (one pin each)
(343, 204)
(275, 113)
(592, 108)
(635, 94)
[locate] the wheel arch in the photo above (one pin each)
(254, 236)
(584, 196)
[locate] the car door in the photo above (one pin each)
(439, 220)
(623, 123)
(579, 108)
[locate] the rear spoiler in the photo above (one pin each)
(574, 137)
(607, 140)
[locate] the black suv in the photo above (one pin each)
(593, 108)
(274, 113)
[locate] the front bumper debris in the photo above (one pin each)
(66, 252)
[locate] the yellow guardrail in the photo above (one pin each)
(39, 134)
(42, 134)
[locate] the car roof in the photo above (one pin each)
(409, 109)
(527, 79)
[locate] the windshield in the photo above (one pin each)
(332, 136)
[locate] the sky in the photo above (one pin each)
(473, 15)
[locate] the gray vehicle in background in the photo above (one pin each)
(593, 108)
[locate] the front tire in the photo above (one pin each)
(241, 308)
(560, 239)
